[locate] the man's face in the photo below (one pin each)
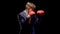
(30, 9)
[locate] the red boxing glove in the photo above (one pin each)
(40, 12)
(31, 12)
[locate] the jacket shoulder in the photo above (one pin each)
(21, 13)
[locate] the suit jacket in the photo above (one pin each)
(23, 20)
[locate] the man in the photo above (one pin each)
(27, 19)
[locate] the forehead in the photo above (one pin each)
(31, 8)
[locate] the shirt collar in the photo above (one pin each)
(25, 12)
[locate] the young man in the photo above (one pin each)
(27, 19)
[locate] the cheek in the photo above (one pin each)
(30, 9)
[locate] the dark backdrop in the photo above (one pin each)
(10, 9)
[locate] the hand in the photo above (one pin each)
(40, 12)
(31, 12)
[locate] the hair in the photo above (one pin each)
(30, 5)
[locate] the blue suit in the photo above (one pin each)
(25, 27)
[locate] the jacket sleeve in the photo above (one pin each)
(20, 20)
(36, 20)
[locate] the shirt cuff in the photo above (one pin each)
(28, 16)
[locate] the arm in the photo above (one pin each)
(20, 20)
(36, 19)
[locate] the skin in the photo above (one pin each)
(28, 9)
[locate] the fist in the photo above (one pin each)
(31, 12)
(40, 12)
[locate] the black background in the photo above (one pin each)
(11, 8)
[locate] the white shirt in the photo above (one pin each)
(28, 16)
